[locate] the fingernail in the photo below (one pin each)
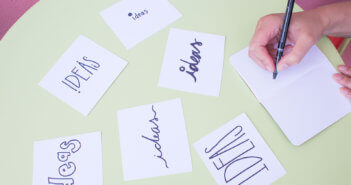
(338, 77)
(342, 68)
(282, 67)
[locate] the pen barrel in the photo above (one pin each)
(285, 29)
(286, 23)
(278, 57)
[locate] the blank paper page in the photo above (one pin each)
(261, 82)
(308, 105)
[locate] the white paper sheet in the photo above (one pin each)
(68, 160)
(308, 105)
(154, 140)
(261, 82)
(237, 154)
(193, 62)
(135, 20)
(83, 74)
(303, 100)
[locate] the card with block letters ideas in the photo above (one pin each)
(83, 74)
(237, 154)
(68, 160)
(135, 20)
(154, 140)
(193, 62)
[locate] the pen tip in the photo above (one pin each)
(275, 75)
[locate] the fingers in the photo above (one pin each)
(346, 92)
(343, 80)
(345, 70)
(302, 46)
(267, 29)
(262, 57)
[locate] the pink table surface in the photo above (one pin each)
(11, 11)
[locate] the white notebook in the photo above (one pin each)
(303, 100)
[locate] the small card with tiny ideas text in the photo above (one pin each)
(237, 154)
(193, 62)
(68, 160)
(83, 74)
(153, 140)
(135, 20)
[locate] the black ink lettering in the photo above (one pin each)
(71, 81)
(196, 43)
(259, 159)
(60, 181)
(69, 85)
(220, 160)
(63, 156)
(237, 127)
(156, 137)
(73, 144)
(68, 169)
(264, 167)
(76, 73)
(195, 58)
(137, 15)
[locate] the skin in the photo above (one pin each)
(306, 29)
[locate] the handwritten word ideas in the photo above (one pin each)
(135, 20)
(75, 78)
(68, 160)
(237, 154)
(138, 15)
(67, 169)
(195, 57)
(193, 62)
(83, 74)
(158, 132)
(156, 136)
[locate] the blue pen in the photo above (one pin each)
(283, 35)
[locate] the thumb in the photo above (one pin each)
(302, 46)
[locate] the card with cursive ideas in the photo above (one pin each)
(154, 140)
(68, 160)
(135, 20)
(193, 62)
(83, 74)
(237, 154)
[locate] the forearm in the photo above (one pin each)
(336, 18)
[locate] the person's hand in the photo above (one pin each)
(344, 78)
(306, 29)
